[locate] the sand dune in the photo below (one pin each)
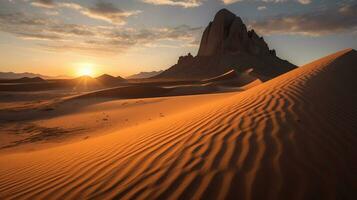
(293, 137)
(233, 79)
(129, 92)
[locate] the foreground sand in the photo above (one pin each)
(293, 137)
(81, 119)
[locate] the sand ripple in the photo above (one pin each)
(293, 137)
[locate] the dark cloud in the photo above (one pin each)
(100, 10)
(329, 21)
(108, 12)
(19, 18)
(38, 36)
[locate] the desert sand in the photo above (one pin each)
(293, 137)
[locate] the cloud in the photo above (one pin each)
(196, 3)
(19, 18)
(43, 3)
(104, 11)
(231, 1)
(36, 28)
(267, 1)
(261, 8)
(101, 10)
(274, 1)
(182, 3)
(56, 35)
(329, 21)
(51, 12)
(304, 1)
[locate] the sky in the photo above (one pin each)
(123, 37)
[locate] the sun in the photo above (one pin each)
(85, 69)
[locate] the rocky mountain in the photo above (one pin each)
(13, 75)
(23, 80)
(226, 44)
(144, 74)
(109, 80)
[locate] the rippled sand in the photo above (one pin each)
(293, 137)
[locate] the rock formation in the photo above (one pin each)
(226, 44)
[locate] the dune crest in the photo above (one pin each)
(292, 137)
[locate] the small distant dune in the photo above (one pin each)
(231, 74)
(232, 78)
(144, 91)
(127, 92)
(293, 137)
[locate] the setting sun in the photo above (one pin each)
(85, 69)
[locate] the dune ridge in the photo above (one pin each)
(288, 138)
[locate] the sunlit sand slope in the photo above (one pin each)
(293, 137)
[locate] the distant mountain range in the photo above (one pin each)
(13, 75)
(78, 84)
(144, 75)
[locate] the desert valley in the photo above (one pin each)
(234, 121)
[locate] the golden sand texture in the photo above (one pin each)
(293, 137)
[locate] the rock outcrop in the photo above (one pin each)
(226, 44)
(185, 59)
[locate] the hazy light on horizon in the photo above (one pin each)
(86, 69)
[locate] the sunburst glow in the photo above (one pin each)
(85, 69)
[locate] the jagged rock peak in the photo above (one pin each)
(185, 59)
(226, 16)
(226, 45)
(228, 34)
